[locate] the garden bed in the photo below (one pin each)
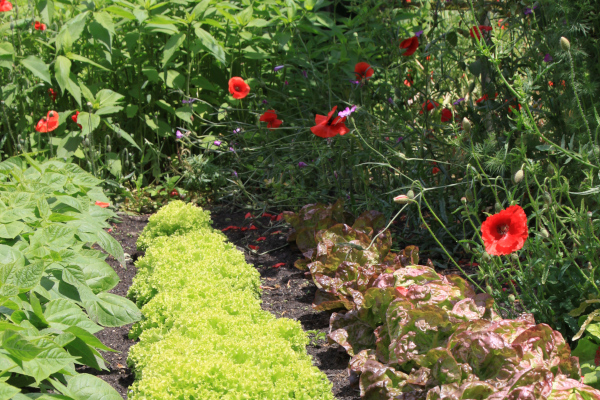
(287, 292)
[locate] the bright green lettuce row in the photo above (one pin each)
(176, 218)
(172, 263)
(222, 356)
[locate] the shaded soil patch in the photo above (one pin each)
(287, 291)
(119, 376)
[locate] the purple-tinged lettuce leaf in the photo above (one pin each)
(472, 389)
(408, 256)
(564, 388)
(376, 302)
(350, 332)
(378, 381)
(326, 301)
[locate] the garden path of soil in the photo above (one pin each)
(287, 292)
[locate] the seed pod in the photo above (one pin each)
(86, 142)
(550, 169)
(547, 198)
(410, 194)
(469, 195)
(565, 44)
(402, 199)
(514, 257)
(466, 124)
(108, 148)
(511, 298)
(485, 256)
(544, 232)
(489, 290)
(519, 176)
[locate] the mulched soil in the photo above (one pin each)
(287, 292)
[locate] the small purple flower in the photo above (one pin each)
(547, 58)
(286, 83)
(347, 112)
(399, 139)
(237, 130)
(217, 143)
(178, 134)
(419, 33)
(265, 101)
(189, 101)
(302, 164)
(234, 173)
(278, 68)
(354, 82)
(528, 10)
(390, 100)
(232, 149)
(335, 174)
(457, 102)
(305, 73)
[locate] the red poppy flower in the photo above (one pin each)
(430, 106)
(435, 170)
(174, 193)
(410, 45)
(39, 26)
(408, 81)
(363, 71)
(550, 83)
(52, 94)
(74, 118)
(475, 32)
(48, 123)
(446, 115)
(270, 117)
(238, 88)
(102, 204)
(5, 5)
(329, 126)
(505, 232)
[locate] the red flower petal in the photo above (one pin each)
(279, 217)
(255, 248)
(248, 215)
(410, 45)
(401, 291)
(252, 228)
(238, 88)
(235, 228)
(244, 229)
(363, 70)
(505, 232)
(446, 115)
(260, 239)
(102, 204)
(267, 215)
(278, 265)
(268, 116)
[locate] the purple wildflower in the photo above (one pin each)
(278, 68)
(354, 82)
(217, 143)
(264, 101)
(237, 130)
(419, 33)
(302, 164)
(189, 101)
(232, 149)
(390, 100)
(335, 174)
(457, 102)
(305, 73)
(401, 138)
(547, 58)
(234, 173)
(528, 10)
(178, 134)
(286, 83)
(347, 112)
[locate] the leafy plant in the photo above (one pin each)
(54, 285)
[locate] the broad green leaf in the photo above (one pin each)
(258, 23)
(18, 346)
(88, 122)
(7, 391)
(7, 55)
(173, 44)
(87, 93)
(51, 360)
(120, 11)
(200, 9)
(88, 338)
(113, 163)
(140, 14)
(208, 41)
(71, 31)
(63, 313)
(123, 134)
(37, 68)
(111, 246)
(86, 354)
(88, 387)
(103, 29)
(11, 230)
(309, 4)
(245, 16)
(46, 10)
(184, 113)
(108, 98)
(108, 309)
(69, 144)
(77, 57)
(13, 270)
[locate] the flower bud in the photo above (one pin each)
(547, 198)
(550, 169)
(511, 298)
(544, 232)
(514, 257)
(108, 148)
(463, 200)
(489, 290)
(466, 124)
(89, 104)
(469, 195)
(486, 256)
(519, 176)
(402, 199)
(410, 194)
(565, 44)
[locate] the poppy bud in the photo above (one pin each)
(498, 207)
(589, 214)
(410, 194)
(511, 298)
(402, 199)
(547, 198)
(544, 232)
(514, 257)
(489, 290)
(486, 256)
(550, 169)
(466, 124)
(89, 104)
(463, 200)
(565, 44)
(108, 148)
(401, 155)
(469, 195)
(519, 176)
(86, 142)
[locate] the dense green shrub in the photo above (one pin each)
(176, 219)
(53, 284)
(204, 334)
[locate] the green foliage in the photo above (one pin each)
(177, 218)
(204, 334)
(53, 285)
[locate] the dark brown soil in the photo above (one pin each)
(119, 376)
(287, 292)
